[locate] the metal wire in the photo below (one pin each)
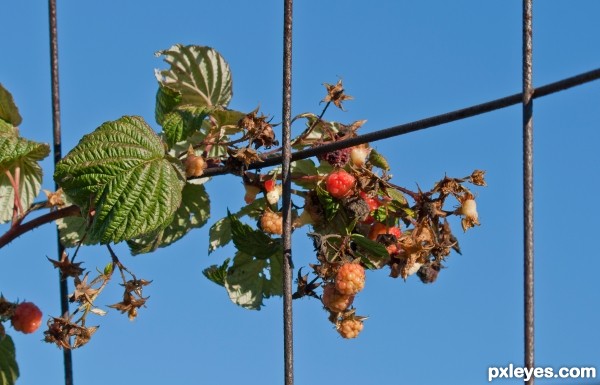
(287, 265)
(528, 255)
(422, 124)
(57, 146)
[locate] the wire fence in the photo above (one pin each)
(526, 97)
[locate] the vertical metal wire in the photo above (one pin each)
(56, 134)
(528, 183)
(287, 265)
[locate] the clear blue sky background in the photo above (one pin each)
(401, 60)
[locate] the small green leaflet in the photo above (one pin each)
(20, 154)
(8, 109)
(200, 75)
(217, 274)
(220, 232)
(122, 169)
(249, 280)
(330, 204)
(378, 160)
(9, 370)
(374, 249)
(182, 122)
(252, 242)
(166, 101)
(193, 213)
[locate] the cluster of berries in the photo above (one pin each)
(338, 296)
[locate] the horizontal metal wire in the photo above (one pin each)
(422, 124)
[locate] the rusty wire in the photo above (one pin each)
(287, 265)
(57, 147)
(528, 255)
(417, 125)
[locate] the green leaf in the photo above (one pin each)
(374, 249)
(8, 109)
(220, 233)
(199, 74)
(166, 101)
(249, 280)
(19, 154)
(378, 160)
(329, 203)
(122, 169)
(182, 122)
(193, 213)
(227, 120)
(398, 198)
(304, 168)
(252, 242)
(9, 370)
(217, 274)
(8, 129)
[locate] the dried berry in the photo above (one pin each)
(337, 158)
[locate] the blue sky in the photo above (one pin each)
(402, 61)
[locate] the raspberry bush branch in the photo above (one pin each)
(125, 182)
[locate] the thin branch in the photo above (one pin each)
(17, 231)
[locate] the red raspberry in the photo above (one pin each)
(335, 301)
(271, 222)
(340, 184)
(350, 327)
(27, 318)
(350, 279)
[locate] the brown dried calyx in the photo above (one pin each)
(335, 94)
(259, 131)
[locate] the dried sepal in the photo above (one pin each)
(335, 94)
(66, 266)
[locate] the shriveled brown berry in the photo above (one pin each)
(194, 165)
(335, 301)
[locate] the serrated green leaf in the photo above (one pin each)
(217, 274)
(199, 74)
(166, 101)
(8, 129)
(193, 213)
(374, 249)
(22, 155)
(220, 233)
(9, 369)
(8, 109)
(249, 280)
(182, 122)
(123, 170)
(252, 242)
(377, 160)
